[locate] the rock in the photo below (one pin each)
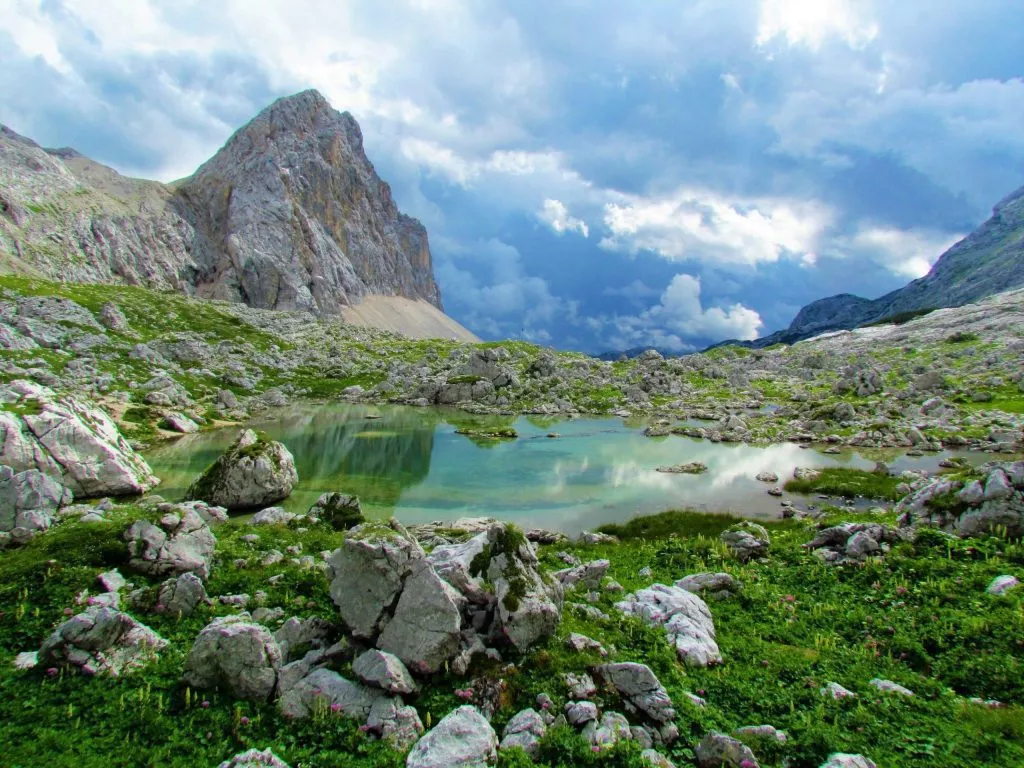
(426, 627)
(836, 691)
(717, 750)
(70, 441)
(1002, 584)
(842, 760)
(524, 730)
(272, 516)
(384, 671)
(101, 640)
(767, 477)
(580, 686)
(236, 655)
(691, 468)
(656, 759)
(592, 537)
(112, 317)
(580, 643)
(296, 636)
(253, 472)
(254, 758)
(685, 617)
(806, 473)
(579, 713)
(640, 689)
(394, 722)
(111, 581)
(28, 502)
(767, 732)
(528, 607)
(26, 660)
(324, 691)
(453, 563)
(179, 422)
(888, 686)
(339, 510)
(463, 739)
(611, 729)
(851, 542)
(719, 586)
(368, 573)
(174, 546)
(180, 596)
(587, 574)
(746, 540)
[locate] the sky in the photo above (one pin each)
(593, 175)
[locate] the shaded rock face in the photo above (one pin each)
(28, 501)
(253, 472)
(289, 214)
(463, 739)
(101, 640)
(969, 507)
(70, 441)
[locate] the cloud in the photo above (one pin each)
(703, 225)
(679, 318)
(908, 254)
(636, 291)
(810, 23)
(556, 215)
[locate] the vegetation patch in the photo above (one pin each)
(848, 483)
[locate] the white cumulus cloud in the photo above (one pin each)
(810, 22)
(907, 253)
(557, 216)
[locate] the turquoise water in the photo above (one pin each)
(410, 463)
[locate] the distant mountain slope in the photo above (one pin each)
(289, 214)
(988, 261)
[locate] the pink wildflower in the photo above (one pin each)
(244, 720)
(51, 672)
(335, 707)
(205, 704)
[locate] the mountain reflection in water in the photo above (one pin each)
(410, 463)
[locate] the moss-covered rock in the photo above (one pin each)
(254, 472)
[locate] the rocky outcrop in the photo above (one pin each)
(28, 502)
(101, 640)
(968, 507)
(252, 473)
(68, 440)
(289, 214)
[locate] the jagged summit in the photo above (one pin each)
(288, 214)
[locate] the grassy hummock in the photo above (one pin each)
(848, 483)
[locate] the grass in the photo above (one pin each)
(848, 483)
(920, 618)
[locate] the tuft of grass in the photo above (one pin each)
(848, 483)
(670, 523)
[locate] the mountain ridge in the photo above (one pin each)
(288, 214)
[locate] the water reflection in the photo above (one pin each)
(409, 462)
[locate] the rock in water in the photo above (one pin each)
(101, 640)
(234, 653)
(463, 739)
(70, 441)
(254, 472)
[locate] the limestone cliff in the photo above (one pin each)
(289, 214)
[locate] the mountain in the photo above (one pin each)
(988, 261)
(289, 214)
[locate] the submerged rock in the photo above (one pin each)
(252, 473)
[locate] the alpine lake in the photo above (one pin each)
(410, 463)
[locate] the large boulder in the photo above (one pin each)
(69, 440)
(324, 690)
(180, 596)
(463, 739)
(236, 655)
(685, 617)
(254, 472)
(969, 507)
(179, 543)
(101, 640)
(28, 501)
(524, 730)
